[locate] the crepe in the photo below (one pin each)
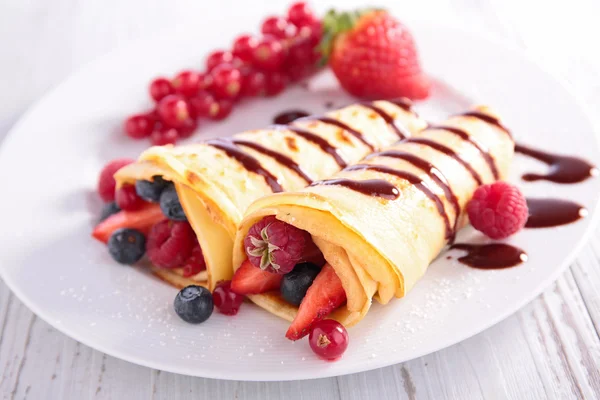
(217, 180)
(381, 222)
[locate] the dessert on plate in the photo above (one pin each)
(211, 184)
(379, 223)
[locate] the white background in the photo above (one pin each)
(549, 349)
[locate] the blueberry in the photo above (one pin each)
(151, 190)
(127, 245)
(108, 210)
(194, 304)
(170, 205)
(295, 283)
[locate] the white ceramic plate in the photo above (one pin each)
(49, 165)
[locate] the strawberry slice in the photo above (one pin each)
(322, 297)
(142, 220)
(251, 280)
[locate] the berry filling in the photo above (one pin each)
(251, 280)
(170, 205)
(127, 198)
(151, 190)
(277, 247)
(322, 297)
(281, 256)
(295, 283)
(142, 220)
(106, 181)
(170, 243)
(173, 244)
(108, 210)
(196, 263)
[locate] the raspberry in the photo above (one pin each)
(127, 198)
(275, 246)
(195, 263)
(170, 243)
(106, 181)
(498, 210)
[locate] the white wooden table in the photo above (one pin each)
(549, 349)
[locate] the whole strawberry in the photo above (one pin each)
(373, 55)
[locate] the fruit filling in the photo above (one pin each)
(277, 247)
(147, 218)
(285, 258)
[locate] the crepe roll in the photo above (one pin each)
(218, 179)
(378, 223)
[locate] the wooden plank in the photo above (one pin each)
(564, 342)
(16, 339)
(167, 386)
(586, 273)
(76, 374)
(111, 378)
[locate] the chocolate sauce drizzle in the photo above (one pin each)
(401, 131)
(280, 158)
(283, 121)
(545, 213)
(465, 136)
(317, 140)
(403, 103)
(417, 182)
(370, 187)
(449, 152)
(490, 256)
(486, 118)
(431, 171)
(287, 117)
(335, 122)
(250, 163)
(563, 169)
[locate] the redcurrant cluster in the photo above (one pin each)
(286, 52)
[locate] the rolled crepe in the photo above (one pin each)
(217, 180)
(381, 222)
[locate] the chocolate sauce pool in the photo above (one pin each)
(490, 256)
(546, 213)
(563, 169)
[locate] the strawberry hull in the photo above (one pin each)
(374, 57)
